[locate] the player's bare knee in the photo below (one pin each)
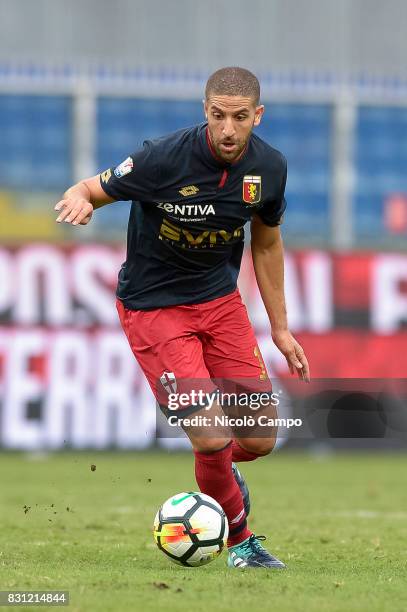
(209, 445)
(258, 446)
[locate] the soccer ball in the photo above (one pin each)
(191, 529)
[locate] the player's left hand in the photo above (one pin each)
(293, 352)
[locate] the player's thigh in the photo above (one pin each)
(164, 345)
(171, 358)
(229, 345)
(234, 361)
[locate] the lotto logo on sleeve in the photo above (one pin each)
(251, 189)
(124, 168)
(105, 176)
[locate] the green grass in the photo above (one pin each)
(339, 522)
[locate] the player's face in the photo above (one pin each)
(230, 122)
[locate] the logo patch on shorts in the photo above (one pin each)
(124, 168)
(169, 382)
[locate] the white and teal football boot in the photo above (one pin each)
(250, 553)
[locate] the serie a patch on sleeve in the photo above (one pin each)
(124, 168)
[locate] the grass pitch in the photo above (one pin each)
(339, 522)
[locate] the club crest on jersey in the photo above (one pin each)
(251, 189)
(169, 382)
(124, 168)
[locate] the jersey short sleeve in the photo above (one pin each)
(135, 178)
(273, 210)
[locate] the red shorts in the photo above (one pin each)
(177, 344)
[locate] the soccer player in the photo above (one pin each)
(192, 193)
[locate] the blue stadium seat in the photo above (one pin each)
(380, 166)
(123, 124)
(301, 132)
(35, 151)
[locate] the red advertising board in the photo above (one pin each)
(64, 357)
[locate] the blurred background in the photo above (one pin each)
(83, 84)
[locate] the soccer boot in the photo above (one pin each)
(251, 553)
(243, 488)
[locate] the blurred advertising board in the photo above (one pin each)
(67, 375)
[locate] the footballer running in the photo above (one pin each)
(192, 193)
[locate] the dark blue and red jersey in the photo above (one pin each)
(186, 227)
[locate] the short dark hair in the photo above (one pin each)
(233, 81)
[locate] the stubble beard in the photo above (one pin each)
(228, 157)
(223, 155)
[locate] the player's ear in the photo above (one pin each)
(258, 114)
(205, 105)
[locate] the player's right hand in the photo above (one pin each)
(76, 211)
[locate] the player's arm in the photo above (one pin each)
(80, 200)
(267, 253)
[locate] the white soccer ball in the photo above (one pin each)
(191, 529)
